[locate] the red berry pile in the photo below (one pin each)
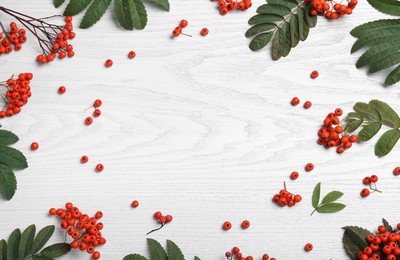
(385, 242)
(236, 254)
(179, 29)
(12, 40)
(96, 113)
(163, 220)
(331, 134)
(285, 198)
(371, 182)
(225, 6)
(331, 9)
(17, 94)
(84, 230)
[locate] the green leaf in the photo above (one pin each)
(134, 257)
(260, 41)
(12, 158)
(13, 243)
(316, 195)
(8, 182)
(259, 28)
(265, 18)
(393, 76)
(93, 14)
(369, 131)
(387, 225)
(25, 243)
(389, 117)
(311, 20)
(354, 115)
(353, 125)
(386, 6)
(157, 252)
(58, 3)
(288, 3)
(377, 52)
(42, 238)
(196, 258)
(3, 249)
(173, 251)
(275, 45)
(331, 197)
(377, 36)
(374, 26)
(273, 9)
(56, 250)
(385, 62)
(74, 7)
(303, 27)
(164, 4)
(7, 137)
(387, 141)
(39, 257)
(294, 31)
(331, 208)
(367, 111)
(284, 47)
(354, 240)
(131, 14)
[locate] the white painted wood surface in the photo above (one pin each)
(200, 128)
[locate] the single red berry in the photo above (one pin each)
(314, 74)
(99, 167)
(396, 171)
(338, 111)
(340, 149)
(157, 215)
(88, 120)
(96, 255)
(98, 215)
(168, 218)
(62, 90)
(97, 103)
(96, 112)
(135, 204)
(309, 167)
(367, 180)
(52, 211)
(176, 33)
(34, 146)
(308, 247)
(108, 63)
(365, 193)
(381, 229)
(295, 101)
(131, 54)
(265, 257)
(228, 255)
(307, 104)
(245, 224)
(297, 198)
(84, 159)
(183, 23)
(294, 175)
(204, 31)
(227, 225)
(235, 250)
(373, 178)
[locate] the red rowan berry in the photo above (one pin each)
(295, 101)
(297, 198)
(84, 159)
(308, 247)
(99, 167)
(245, 224)
(62, 90)
(307, 104)
(97, 103)
(265, 257)
(396, 171)
(235, 250)
(365, 193)
(99, 215)
(373, 178)
(227, 225)
(75, 244)
(183, 23)
(157, 215)
(314, 74)
(381, 229)
(367, 180)
(131, 54)
(340, 149)
(353, 139)
(204, 31)
(176, 33)
(135, 204)
(294, 175)
(108, 63)
(228, 255)
(96, 112)
(34, 146)
(168, 218)
(52, 211)
(96, 255)
(309, 167)
(88, 120)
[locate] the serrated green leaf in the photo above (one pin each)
(288, 3)
(377, 36)
(39, 257)
(273, 9)
(134, 257)
(275, 45)
(294, 31)
(369, 131)
(367, 111)
(173, 251)
(157, 252)
(316, 195)
(131, 14)
(8, 182)
(385, 62)
(393, 76)
(93, 14)
(387, 141)
(58, 3)
(374, 25)
(386, 6)
(331, 208)
(284, 47)
(12, 158)
(164, 4)
(387, 225)
(56, 250)
(265, 18)
(260, 41)
(354, 240)
(389, 117)
(377, 52)
(3, 249)
(26, 241)
(332, 196)
(13, 244)
(311, 20)
(74, 7)
(42, 238)
(303, 27)
(7, 137)
(260, 28)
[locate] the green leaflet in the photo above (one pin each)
(369, 131)
(385, 62)
(26, 241)
(265, 18)
(131, 14)
(134, 257)
(157, 252)
(164, 4)
(285, 47)
(377, 52)
(56, 250)
(354, 240)
(8, 182)
(196, 258)
(173, 251)
(12, 157)
(376, 36)
(74, 7)
(3, 249)
(294, 31)
(367, 111)
(386, 6)
(311, 20)
(259, 28)
(332, 196)
(374, 25)
(331, 208)
(288, 3)
(316, 195)
(42, 238)
(58, 3)
(354, 120)
(93, 14)
(387, 225)
(13, 243)
(393, 76)
(7, 137)
(260, 41)
(386, 143)
(274, 9)
(389, 117)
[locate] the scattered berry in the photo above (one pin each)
(308, 247)
(245, 224)
(309, 167)
(84, 159)
(131, 54)
(307, 104)
(295, 101)
(108, 63)
(62, 90)
(97, 103)
(396, 171)
(227, 225)
(88, 120)
(99, 167)
(96, 112)
(204, 31)
(183, 23)
(294, 175)
(314, 74)
(135, 203)
(34, 146)
(365, 193)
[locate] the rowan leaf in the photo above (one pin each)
(377, 36)
(386, 6)
(8, 182)
(26, 241)
(164, 4)
(374, 26)
(332, 196)
(369, 131)
(7, 137)
(377, 52)
(12, 158)
(354, 240)
(274, 9)
(331, 207)
(260, 41)
(131, 14)
(367, 111)
(265, 18)
(311, 20)
(13, 244)
(157, 252)
(284, 47)
(173, 251)
(93, 14)
(42, 238)
(3, 249)
(387, 141)
(74, 7)
(385, 62)
(393, 76)
(389, 117)
(56, 250)
(316, 195)
(294, 31)
(260, 28)
(58, 3)
(134, 257)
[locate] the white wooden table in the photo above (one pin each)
(200, 128)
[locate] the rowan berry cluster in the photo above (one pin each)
(178, 30)
(162, 220)
(225, 6)
(84, 230)
(285, 198)
(96, 113)
(382, 245)
(17, 94)
(331, 134)
(236, 254)
(15, 37)
(331, 9)
(371, 182)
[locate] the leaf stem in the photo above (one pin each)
(154, 230)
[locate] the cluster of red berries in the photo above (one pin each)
(15, 37)
(225, 6)
(295, 101)
(59, 44)
(96, 113)
(396, 171)
(309, 167)
(227, 225)
(330, 136)
(99, 167)
(17, 94)
(371, 182)
(162, 220)
(285, 198)
(383, 242)
(330, 9)
(84, 230)
(236, 254)
(179, 30)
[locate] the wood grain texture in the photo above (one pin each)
(200, 128)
